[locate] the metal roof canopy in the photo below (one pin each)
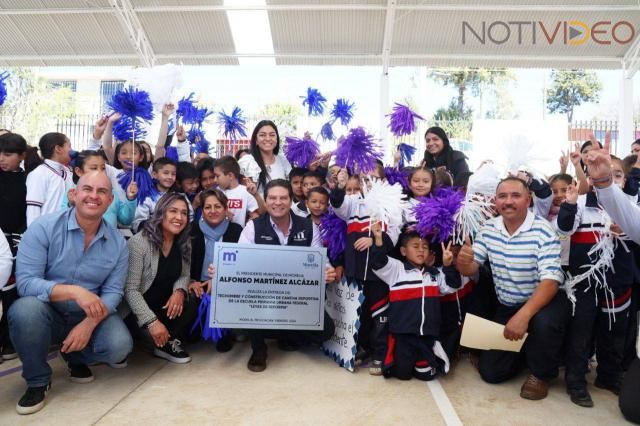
(320, 32)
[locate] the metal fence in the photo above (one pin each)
(79, 129)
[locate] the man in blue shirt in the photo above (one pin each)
(70, 273)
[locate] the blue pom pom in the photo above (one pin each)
(436, 214)
(187, 109)
(394, 176)
(342, 111)
(201, 147)
(172, 153)
(357, 151)
(133, 103)
(406, 154)
(314, 101)
(146, 187)
(234, 124)
(3, 87)
(333, 231)
(402, 120)
(327, 132)
(301, 152)
(123, 129)
(196, 135)
(203, 320)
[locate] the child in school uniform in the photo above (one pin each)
(602, 299)
(414, 306)
(13, 222)
(311, 179)
(50, 181)
(353, 210)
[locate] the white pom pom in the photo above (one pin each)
(249, 168)
(384, 202)
(485, 180)
(160, 82)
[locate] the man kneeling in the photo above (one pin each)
(70, 273)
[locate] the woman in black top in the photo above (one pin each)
(440, 155)
(214, 226)
(157, 284)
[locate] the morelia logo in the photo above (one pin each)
(570, 33)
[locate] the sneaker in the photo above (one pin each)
(8, 352)
(258, 361)
(119, 365)
(534, 388)
(580, 397)
(375, 368)
(613, 387)
(173, 352)
(361, 357)
(33, 400)
(80, 373)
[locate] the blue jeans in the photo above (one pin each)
(35, 325)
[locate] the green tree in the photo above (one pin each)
(570, 88)
(455, 124)
(284, 115)
(474, 80)
(32, 107)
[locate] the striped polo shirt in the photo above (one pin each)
(519, 261)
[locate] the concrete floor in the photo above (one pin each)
(300, 388)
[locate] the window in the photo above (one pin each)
(107, 89)
(63, 84)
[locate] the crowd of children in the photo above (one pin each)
(415, 297)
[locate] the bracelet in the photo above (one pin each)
(148, 324)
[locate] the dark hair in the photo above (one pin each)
(278, 183)
(316, 175)
(143, 155)
(228, 164)
(629, 161)
(407, 236)
(213, 193)
(562, 177)
(297, 171)
(144, 161)
(587, 144)
(318, 190)
(380, 168)
(447, 151)
(49, 142)
(12, 143)
(31, 159)
(163, 161)
(255, 150)
(513, 179)
(205, 164)
(240, 152)
(636, 142)
(185, 170)
(153, 227)
(443, 178)
(80, 159)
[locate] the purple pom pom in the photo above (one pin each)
(187, 109)
(314, 101)
(3, 87)
(402, 120)
(203, 320)
(301, 152)
(436, 214)
(342, 111)
(172, 153)
(357, 151)
(333, 231)
(394, 176)
(327, 132)
(146, 187)
(406, 154)
(123, 129)
(234, 124)
(133, 103)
